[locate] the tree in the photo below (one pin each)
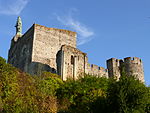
(81, 94)
(17, 90)
(127, 95)
(47, 84)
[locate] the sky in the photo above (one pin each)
(105, 28)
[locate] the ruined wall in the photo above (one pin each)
(21, 50)
(48, 41)
(72, 62)
(97, 71)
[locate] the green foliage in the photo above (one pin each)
(9, 87)
(127, 95)
(20, 92)
(17, 91)
(47, 93)
(48, 83)
(80, 94)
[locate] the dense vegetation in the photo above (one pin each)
(47, 93)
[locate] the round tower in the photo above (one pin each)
(134, 67)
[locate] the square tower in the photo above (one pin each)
(36, 50)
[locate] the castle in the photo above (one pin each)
(54, 50)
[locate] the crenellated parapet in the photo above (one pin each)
(133, 60)
(97, 71)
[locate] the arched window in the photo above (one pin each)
(72, 60)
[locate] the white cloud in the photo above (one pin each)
(84, 33)
(12, 7)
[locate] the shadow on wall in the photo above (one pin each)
(37, 68)
(59, 58)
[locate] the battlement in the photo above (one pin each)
(133, 60)
(102, 69)
(125, 60)
(96, 70)
(94, 67)
(113, 62)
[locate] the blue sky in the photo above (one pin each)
(106, 28)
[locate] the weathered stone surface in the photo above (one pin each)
(39, 45)
(97, 71)
(73, 62)
(134, 67)
(131, 66)
(20, 53)
(113, 66)
(48, 41)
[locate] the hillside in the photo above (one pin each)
(47, 93)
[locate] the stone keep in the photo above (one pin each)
(36, 50)
(54, 50)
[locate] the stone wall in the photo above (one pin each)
(21, 54)
(113, 66)
(97, 71)
(134, 67)
(73, 62)
(130, 66)
(21, 50)
(48, 41)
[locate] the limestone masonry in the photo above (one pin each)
(54, 50)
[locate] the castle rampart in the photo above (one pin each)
(97, 71)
